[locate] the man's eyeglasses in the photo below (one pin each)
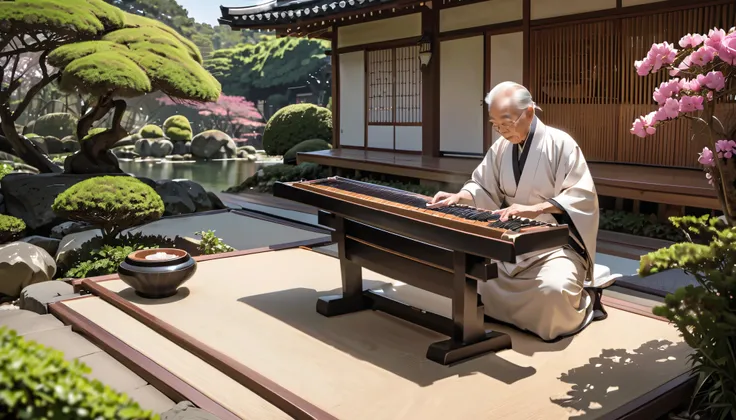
(506, 124)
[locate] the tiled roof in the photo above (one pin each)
(284, 12)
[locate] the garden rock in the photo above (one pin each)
(40, 142)
(7, 156)
(50, 245)
(125, 152)
(29, 196)
(23, 264)
(176, 198)
(36, 297)
(213, 144)
(70, 145)
(58, 124)
(54, 145)
(129, 140)
(67, 228)
(182, 148)
(185, 410)
(157, 148)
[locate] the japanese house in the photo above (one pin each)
(409, 79)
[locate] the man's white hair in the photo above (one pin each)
(520, 97)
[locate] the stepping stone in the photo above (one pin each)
(66, 341)
(151, 398)
(27, 322)
(112, 373)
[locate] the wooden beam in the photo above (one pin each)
(430, 86)
(526, 23)
(493, 29)
(335, 90)
(486, 88)
(383, 45)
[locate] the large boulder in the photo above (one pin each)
(303, 147)
(36, 297)
(157, 148)
(293, 124)
(50, 245)
(58, 124)
(213, 144)
(54, 145)
(29, 196)
(23, 264)
(181, 196)
(70, 144)
(40, 142)
(182, 148)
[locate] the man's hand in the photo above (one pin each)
(443, 199)
(518, 210)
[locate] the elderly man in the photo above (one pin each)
(537, 172)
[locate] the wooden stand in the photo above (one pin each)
(453, 274)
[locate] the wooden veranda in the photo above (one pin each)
(673, 186)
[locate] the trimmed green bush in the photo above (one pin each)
(293, 124)
(177, 128)
(94, 131)
(10, 228)
(57, 124)
(36, 382)
(113, 203)
(305, 146)
(151, 131)
(5, 169)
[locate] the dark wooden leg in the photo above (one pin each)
(352, 299)
(469, 336)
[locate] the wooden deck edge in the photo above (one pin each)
(77, 283)
(280, 397)
(157, 376)
(658, 401)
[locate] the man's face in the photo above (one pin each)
(513, 124)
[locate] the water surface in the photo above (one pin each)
(216, 176)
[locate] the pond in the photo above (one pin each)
(215, 175)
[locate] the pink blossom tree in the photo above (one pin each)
(233, 115)
(703, 71)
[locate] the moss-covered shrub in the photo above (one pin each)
(94, 132)
(113, 203)
(151, 131)
(303, 147)
(37, 382)
(639, 225)
(265, 178)
(100, 256)
(177, 128)
(293, 124)
(58, 124)
(211, 244)
(11, 228)
(5, 169)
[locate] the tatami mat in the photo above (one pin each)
(260, 310)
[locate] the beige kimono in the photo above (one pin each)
(543, 292)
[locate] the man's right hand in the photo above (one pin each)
(443, 199)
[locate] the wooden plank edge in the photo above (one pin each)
(280, 397)
(325, 240)
(657, 402)
(157, 376)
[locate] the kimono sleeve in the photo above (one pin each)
(484, 183)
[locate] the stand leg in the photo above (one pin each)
(469, 337)
(352, 299)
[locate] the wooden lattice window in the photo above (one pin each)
(583, 78)
(394, 84)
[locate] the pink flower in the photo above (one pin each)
(666, 90)
(727, 51)
(659, 55)
(691, 104)
(691, 40)
(725, 148)
(715, 36)
(713, 80)
(703, 55)
(670, 110)
(706, 157)
(684, 65)
(644, 125)
(691, 85)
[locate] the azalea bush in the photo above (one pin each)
(703, 71)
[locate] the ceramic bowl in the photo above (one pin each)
(157, 273)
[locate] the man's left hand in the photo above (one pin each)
(518, 210)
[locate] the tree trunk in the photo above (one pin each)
(24, 148)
